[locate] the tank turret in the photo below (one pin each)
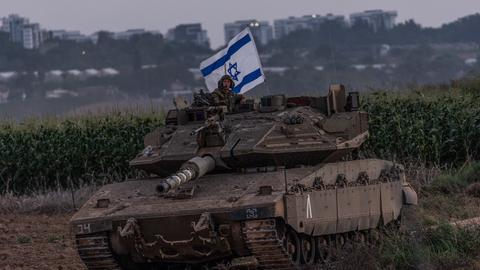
(276, 131)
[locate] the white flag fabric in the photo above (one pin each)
(240, 60)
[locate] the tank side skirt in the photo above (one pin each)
(345, 206)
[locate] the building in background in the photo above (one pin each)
(189, 33)
(286, 26)
(76, 36)
(128, 34)
(262, 31)
(21, 31)
(13, 24)
(376, 19)
(31, 36)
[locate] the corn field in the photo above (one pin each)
(432, 130)
(66, 154)
(44, 155)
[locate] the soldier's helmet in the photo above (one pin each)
(226, 77)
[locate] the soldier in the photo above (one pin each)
(224, 94)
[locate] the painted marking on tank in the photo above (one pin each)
(251, 213)
(309, 207)
(84, 228)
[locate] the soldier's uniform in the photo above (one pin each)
(221, 96)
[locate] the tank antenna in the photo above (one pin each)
(284, 172)
(332, 56)
(72, 191)
(267, 87)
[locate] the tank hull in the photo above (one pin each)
(213, 219)
(258, 139)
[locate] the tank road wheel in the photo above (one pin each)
(360, 239)
(323, 249)
(374, 237)
(340, 241)
(307, 244)
(292, 245)
(332, 251)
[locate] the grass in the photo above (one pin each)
(457, 181)
(24, 239)
(52, 202)
(433, 242)
(443, 207)
(444, 247)
(55, 238)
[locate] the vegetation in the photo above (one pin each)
(169, 63)
(64, 154)
(431, 128)
(443, 247)
(459, 180)
(408, 32)
(24, 239)
(421, 128)
(429, 241)
(107, 52)
(412, 54)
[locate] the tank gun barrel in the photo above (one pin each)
(190, 170)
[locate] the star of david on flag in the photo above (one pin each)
(240, 60)
(233, 71)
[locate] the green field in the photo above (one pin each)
(434, 128)
(424, 128)
(42, 155)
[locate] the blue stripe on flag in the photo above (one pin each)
(231, 50)
(247, 79)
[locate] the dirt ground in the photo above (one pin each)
(41, 241)
(37, 242)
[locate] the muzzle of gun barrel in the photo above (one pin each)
(190, 170)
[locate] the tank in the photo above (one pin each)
(273, 183)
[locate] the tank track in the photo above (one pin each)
(95, 252)
(266, 245)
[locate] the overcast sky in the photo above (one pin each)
(91, 15)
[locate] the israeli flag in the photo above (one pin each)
(240, 60)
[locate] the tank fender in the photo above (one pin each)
(409, 195)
